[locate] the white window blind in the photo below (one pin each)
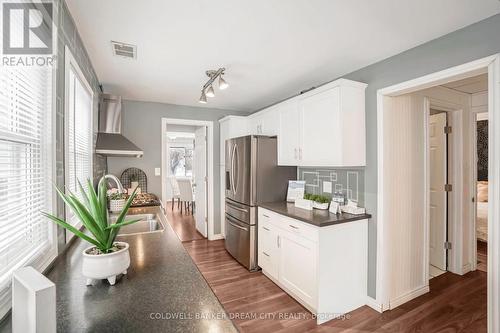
(79, 145)
(25, 172)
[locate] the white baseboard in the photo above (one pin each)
(372, 303)
(466, 268)
(217, 236)
(408, 297)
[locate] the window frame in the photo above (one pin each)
(71, 63)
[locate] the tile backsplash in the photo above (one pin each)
(351, 182)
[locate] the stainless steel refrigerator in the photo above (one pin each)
(252, 177)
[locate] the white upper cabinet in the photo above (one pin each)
(324, 127)
(289, 129)
(265, 122)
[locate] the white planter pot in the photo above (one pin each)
(116, 206)
(318, 205)
(105, 266)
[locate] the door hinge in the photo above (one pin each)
(448, 130)
(447, 245)
(448, 187)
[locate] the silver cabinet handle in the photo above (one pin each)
(300, 154)
(236, 226)
(264, 253)
(278, 241)
(266, 229)
(292, 226)
(295, 153)
(265, 215)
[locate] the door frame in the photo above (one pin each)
(491, 65)
(210, 166)
(473, 134)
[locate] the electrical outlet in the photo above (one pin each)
(327, 187)
(157, 171)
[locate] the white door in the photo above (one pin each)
(438, 175)
(289, 131)
(200, 172)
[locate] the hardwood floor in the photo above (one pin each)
(255, 304)
(183, 224)
(482, 256)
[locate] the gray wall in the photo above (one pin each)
(470, 43)
(141, 123)
(67, 35)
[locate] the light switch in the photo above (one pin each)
(327, 187)
(157, 171)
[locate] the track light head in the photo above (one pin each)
(210, 92)
(203, 97)
(222, 83)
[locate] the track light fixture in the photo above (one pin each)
(203, 97)
(208, 89)
(210, 92)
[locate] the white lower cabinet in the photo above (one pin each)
(297, 266)
(323, 268)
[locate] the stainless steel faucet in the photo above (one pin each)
(116, 180)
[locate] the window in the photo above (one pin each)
(181, 161)
(26, 238)
(79, 133)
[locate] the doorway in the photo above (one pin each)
(403, 212)
(187, 155)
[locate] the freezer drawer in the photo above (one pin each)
(243, 213)
(241, 242)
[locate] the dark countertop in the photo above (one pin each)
(162, 280)
(316, 217)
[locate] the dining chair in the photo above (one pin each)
(175, 191)
(186, 194)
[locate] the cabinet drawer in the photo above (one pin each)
(299, 228)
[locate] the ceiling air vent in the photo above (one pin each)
(124, 50)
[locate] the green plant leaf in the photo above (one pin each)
(114, 231)
(87, 219)
(95, 207)
(119, 225)
(69, 227)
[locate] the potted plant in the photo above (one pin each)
(105, 259)
(117, 201)
(319, 201)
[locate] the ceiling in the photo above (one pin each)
(470, 85)
(272, 49)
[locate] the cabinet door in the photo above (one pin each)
(268, 256)
(289, 133)
(297, 269)
(320, 129)
(270, 122)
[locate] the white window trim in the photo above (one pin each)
(70, 62)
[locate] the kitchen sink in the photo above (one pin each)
(148, 223)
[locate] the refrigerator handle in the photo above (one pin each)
(233, 169)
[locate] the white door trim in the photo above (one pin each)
(210, 165)
(491, 65)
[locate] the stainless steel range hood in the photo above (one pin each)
(110, 141)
